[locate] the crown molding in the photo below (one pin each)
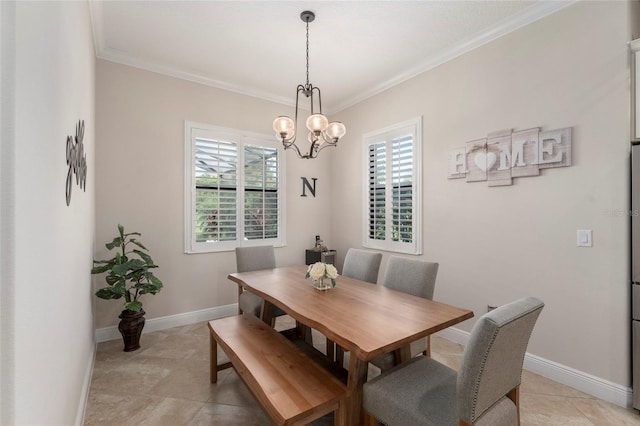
(526, 17)
(125, 59)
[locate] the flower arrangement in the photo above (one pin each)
(319, 271)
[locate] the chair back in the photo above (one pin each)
(255, 258)
(411, 276)
(362, 265)
(492, 362)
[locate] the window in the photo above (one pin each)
(233, 195)
(392, 199)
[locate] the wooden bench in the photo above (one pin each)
(291, 388)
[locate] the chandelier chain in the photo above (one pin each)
(307, 54)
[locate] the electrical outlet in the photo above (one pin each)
(585, 238)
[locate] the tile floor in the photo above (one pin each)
(166, 382)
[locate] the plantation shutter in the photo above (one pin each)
(377, 189)
(402, 181)
(260, 193)
(233, 182)
(392, 197)
(216, 175)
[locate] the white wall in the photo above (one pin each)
(48, 255)
(570, 69)
(140, 183)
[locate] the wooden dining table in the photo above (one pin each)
(363, 318)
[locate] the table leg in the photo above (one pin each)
(266, 313)
(357, 377)
(402, 354)
(213, 354)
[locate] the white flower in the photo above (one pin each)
(316, 271)
(332, 272)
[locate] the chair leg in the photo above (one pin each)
(427, 352)
(331, 350)
(369, 420)
(514, 395)
(239, 293)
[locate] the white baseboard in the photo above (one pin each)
(162, 323)
(86, 385)
(584, 382)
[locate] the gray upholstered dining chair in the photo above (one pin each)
(362, 265)
(485, 392)
(416, 277)
(254, 259)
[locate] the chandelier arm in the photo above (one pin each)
(331, 141)
(293, 146)
(323, 146)
(319, 98)
(310, 96)
(299, 89)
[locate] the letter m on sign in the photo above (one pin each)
(306, 185)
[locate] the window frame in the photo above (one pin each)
(387, 135)
(242, 139)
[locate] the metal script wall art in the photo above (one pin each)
(76, 160)
(506, 154)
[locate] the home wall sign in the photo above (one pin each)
(76, 160)
(505, 155)
(306, 185)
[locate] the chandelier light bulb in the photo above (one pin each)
(284, 126)
(317, 123)
(335, 130)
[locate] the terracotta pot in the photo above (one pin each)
(130, 327)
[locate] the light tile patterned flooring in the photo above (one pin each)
(166, 382)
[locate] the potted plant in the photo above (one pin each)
(128, 275)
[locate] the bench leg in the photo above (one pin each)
(213, 354)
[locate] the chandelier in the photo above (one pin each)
(321, 133)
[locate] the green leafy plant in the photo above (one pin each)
(128, 272)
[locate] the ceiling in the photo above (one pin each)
(357, 48)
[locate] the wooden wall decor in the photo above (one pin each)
(76, 160)
(306, 185)
(505, 155)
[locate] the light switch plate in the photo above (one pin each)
(585, 238)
